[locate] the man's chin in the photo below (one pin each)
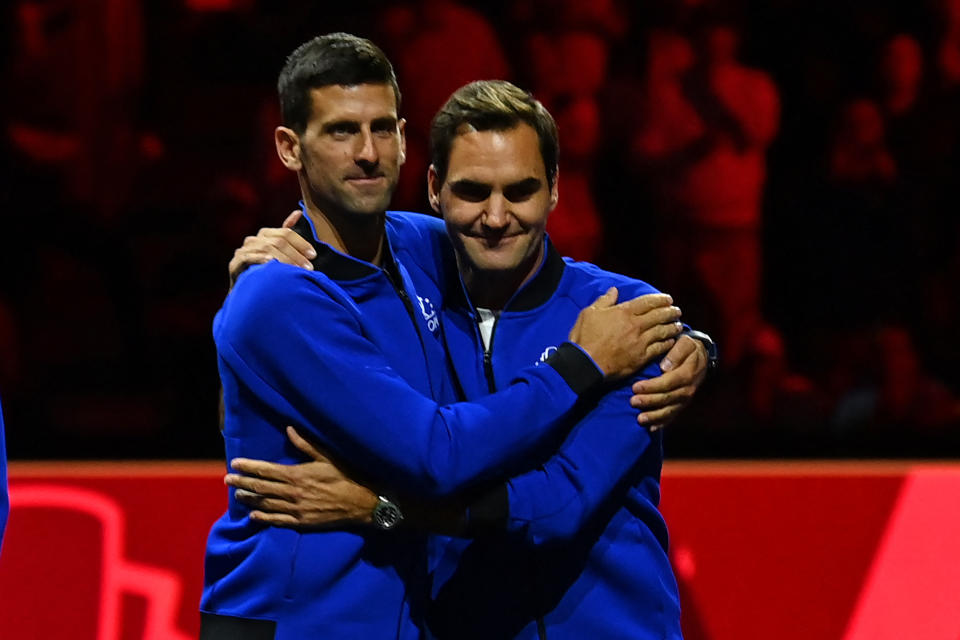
(369, 207)
(496, 265)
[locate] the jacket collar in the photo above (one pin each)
(338, 266)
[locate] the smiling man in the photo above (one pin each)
(584, 553)
(352, 352)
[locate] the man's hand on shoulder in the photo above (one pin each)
(661, 399)
(283, 244)
(623, 338)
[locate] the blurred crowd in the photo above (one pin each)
(787, 170)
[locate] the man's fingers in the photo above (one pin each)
(679, 353)
(291, 219)
(661, 315)
(646, 303)
(286, 245)
(287, 253)
(297, 242)
(245, 485)
(682, 375)
(656, 349)
(274, 519)
(248, 256)
(244, 257)
(262, 503)
(305, 445)
(659, 417)
(648, 401)
(663, 383)
(608, 299)
(675, 380)
(661, 332)
(261, 469)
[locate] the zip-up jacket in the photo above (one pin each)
(578, 547)
(350, 353)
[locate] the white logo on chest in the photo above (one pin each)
(429, 314)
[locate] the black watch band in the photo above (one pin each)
(713, 356)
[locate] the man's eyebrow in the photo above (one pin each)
(385, 121)
(527, 184)
(466, 183)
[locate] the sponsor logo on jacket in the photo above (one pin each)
(429, 314)
(546, 354)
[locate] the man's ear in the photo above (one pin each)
(433, 188)
(402, 126)
(555, 190)
(288, 147)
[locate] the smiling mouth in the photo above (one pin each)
(493, 242)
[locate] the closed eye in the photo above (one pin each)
(523, 190)
(470, 191)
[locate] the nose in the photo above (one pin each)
(367, 154)
(496, 213)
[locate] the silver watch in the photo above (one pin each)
(386, 514)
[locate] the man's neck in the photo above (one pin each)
(493, 289)
(358, 236)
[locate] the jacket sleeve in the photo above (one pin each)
(326, 377)
(556, 500)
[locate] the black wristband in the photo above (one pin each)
(576, 367)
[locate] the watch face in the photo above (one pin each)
(386, 515)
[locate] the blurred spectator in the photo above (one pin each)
(864, 228)
(437, 46)
(569, 68)
(78, 67)
(880, 386)
(708, 121)
(859, 153)
(948, 49)
(137, 152)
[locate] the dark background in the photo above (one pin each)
(137, 154)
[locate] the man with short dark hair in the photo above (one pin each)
(352, 352)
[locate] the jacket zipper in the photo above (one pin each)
(492, 387)
(488, 355)
(408, 305)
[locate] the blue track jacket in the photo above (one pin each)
(350, 353)
(582, 548)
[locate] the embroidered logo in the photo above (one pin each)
(429, 314)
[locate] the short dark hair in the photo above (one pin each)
(334, 58)
(492, 105)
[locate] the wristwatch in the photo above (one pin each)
(713, 356)
(386, 514)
